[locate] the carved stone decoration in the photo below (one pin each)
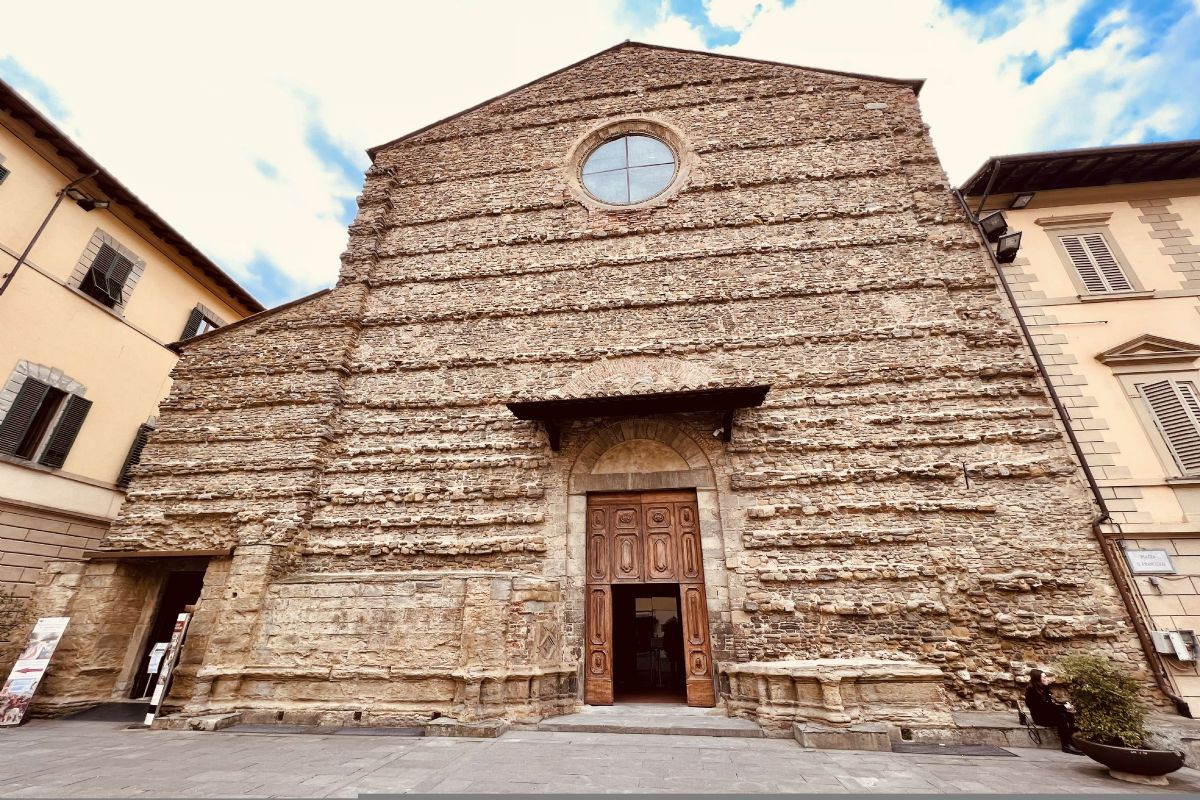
(837, 691)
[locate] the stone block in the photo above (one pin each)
(444, 726)
(870, 736)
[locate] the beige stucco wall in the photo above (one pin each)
(1153, 504)
(121, 357)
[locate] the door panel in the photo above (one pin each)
(626, 544)
(597, 546)
(695, 646)
(660, 557)
(652, 537)
(598, 683)
(660, 543)
(627, 558)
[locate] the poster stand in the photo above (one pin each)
(169, 660)
(26, 675)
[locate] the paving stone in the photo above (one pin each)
(193, 764)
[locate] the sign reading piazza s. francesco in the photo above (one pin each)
(27, 673)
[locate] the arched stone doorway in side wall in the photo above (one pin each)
(644, 554)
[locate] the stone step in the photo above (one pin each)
(660, 719)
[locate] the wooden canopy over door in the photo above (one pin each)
(648, 537)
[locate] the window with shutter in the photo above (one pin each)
(1175, 407)
(15, 428)
(134, 456)
(105, 279)
(193, 324)
(3, 174)
(1096, 264)
(60, 442)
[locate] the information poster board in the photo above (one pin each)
(18, 691)
(168, 665)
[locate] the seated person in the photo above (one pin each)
(1050, 712)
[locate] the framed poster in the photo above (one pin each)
(27, 673)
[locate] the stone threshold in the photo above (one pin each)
(654, 718)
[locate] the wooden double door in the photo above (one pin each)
(645, 538)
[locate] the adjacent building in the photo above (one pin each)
(95, 287)
(669, 375)
(1107, 278)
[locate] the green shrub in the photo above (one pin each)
(1108, 704)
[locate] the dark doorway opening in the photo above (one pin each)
(647, 644)
(181, 589)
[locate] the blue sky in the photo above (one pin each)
(250, 138)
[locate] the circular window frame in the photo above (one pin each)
(586, 144)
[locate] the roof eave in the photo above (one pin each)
(20, 109)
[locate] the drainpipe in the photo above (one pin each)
(1106, 547)
(29, 247)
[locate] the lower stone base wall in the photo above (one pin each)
(264, 695)
(31, 537)
(835, 691)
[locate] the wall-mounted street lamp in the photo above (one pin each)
(1021, 200)
(85, 202)
(993, 225)
(995, 229)
(81, 199)
(1007, 247)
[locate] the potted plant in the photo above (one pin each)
(1110, 722)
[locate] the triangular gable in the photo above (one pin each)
(1148, 348)
(628, 46)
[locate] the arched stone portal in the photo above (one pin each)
(641, 456)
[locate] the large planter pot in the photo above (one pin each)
(1133, 764)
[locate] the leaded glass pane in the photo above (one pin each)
(645, 182)
(610, 155)
(645, 150)
(609, 187)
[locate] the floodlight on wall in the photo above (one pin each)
(1006, 249)
(83, 201)
(993, 225)
(1021, 200)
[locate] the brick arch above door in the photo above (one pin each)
(640, 455)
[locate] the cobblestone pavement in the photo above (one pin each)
(96, 759)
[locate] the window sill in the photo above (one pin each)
(1111, 296)
(36, 467)
(1188, 480)
(119, 314)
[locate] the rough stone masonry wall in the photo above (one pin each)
(903, 493)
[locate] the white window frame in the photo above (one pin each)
(1132, 381)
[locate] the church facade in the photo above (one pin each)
(667, 374)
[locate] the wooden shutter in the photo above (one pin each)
(108, 273)
(135, 455)
(1175, 406)
(193, 324)
(1098, 268)
(65, 432)
(18, 419)
(3, 174)
(117, 276)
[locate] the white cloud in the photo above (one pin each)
(974, 99)
(180, 102)
(189, 107)
(735, 14)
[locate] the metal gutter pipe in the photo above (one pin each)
(8, 278)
